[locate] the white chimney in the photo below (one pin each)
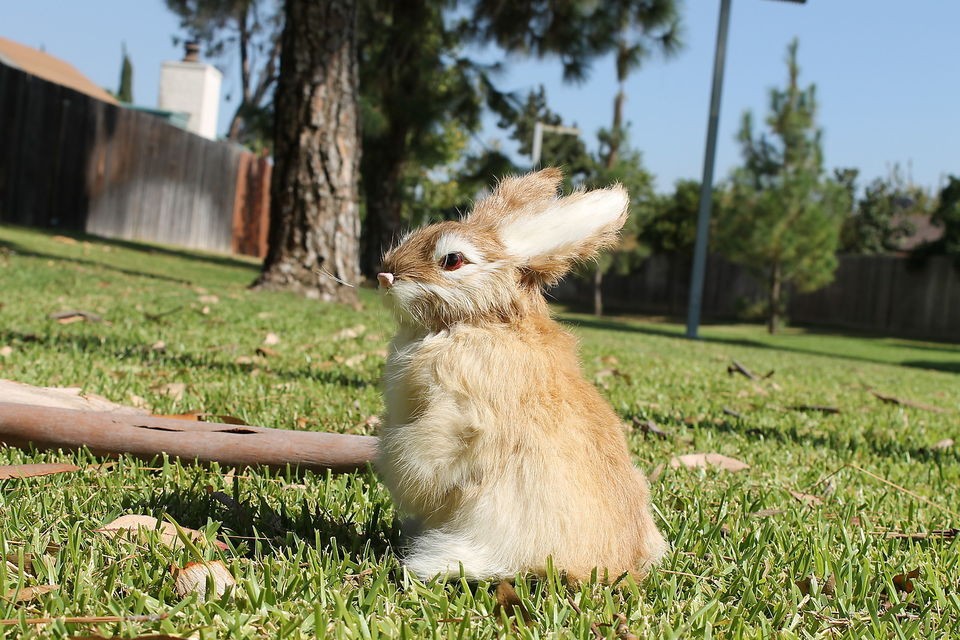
(192, 87)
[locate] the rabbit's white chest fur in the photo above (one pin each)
(424, 441)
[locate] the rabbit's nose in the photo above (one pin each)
(385, 280)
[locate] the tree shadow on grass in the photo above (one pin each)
(28, 253)
(143, 247)
(252, 523)
(825, 437)
(610, 324)
(949, 367)
(129, 351)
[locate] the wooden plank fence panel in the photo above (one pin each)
(70, 161)
(883, 294)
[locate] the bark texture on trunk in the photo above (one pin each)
(314, 210)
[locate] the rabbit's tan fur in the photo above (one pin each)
(493, 443)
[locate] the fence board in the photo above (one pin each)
(70, 161)
(883, 294)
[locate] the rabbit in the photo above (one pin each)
(493, 443)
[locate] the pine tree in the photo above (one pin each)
(314, 210)
(785, 215)
(125, 91)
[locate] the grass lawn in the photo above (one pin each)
(874, 485)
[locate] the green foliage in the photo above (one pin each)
(567, 29)
(635, 30)
(628, 171)
(248, 30)
(640, 29)
(784, 218)
(947, 215)
(672, 224)
(317, 555)
(421, 96)
(558, 150)
(125, 89)
(881, 218)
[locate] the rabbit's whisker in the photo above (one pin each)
(320, 271)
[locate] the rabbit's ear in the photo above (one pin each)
(568, 230)
(516, 193)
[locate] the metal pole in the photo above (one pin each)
(537, 144)
(706, 186)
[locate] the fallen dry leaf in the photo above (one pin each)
(350, 333)
(766, 513)
(809, 585)
(271, 339)
(138, 402)
(905, 403)
(64, 239)
(29, 593)
(101, 468)
(355, 361)
(159, 345)
(8, 471)
(649, 427)
(623, 631)
(702, 460)
(946, 443)
(6, 351)
(14, 562)
(508, 599)
(615, 373)
(807, 498)
(192, 578)
(904, 581)
(208, 299)
(133, 523)
(75, 315)
(174, 390)
(267, 352)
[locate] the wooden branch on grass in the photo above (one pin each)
(26, 425)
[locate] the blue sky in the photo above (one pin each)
(887, 76)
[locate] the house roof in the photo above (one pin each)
(43, 65)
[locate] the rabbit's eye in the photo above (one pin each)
(452, 261)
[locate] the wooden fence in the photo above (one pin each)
(888, 294)
(882, 294)
(73, 162)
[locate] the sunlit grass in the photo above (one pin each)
(317, 555)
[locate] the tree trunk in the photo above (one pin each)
(773, 317)
(314, 213)
(616, 133)
(382, 177)
(598, 291)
